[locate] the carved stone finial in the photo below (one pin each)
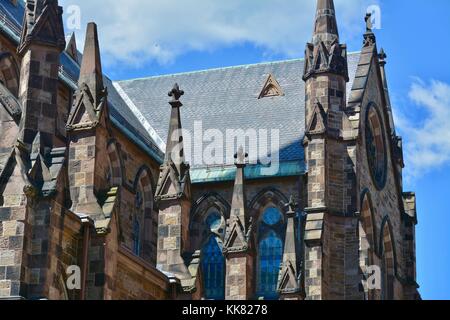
(240, 157)
(382, 57)
(176, 93)
(369, 24)
(369, 36)
(292, 205)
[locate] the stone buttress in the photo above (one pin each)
(238, 248)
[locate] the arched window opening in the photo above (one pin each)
(213, 268)
(366, 234)
(271, 234)
(387, 265)
(144, 219)
(114, 172)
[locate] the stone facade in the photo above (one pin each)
(82, 185)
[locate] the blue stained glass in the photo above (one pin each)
(213, 267)
(214, 221)
(272, 216)
(270, 256)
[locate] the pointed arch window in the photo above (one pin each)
(213, 267)
(387, 266)
(271, 234)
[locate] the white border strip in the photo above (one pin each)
(152, 132)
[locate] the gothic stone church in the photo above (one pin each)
(90, 187)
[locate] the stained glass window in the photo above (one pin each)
(214, 221)
(213, 267)
(272, 216)
(376, 148)
(271, 233)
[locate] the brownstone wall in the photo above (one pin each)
(385, 202)
(137, 280)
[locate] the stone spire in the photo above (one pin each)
(238, 245)
(289, 280)
(174, 164)
(175, 147)
(42, 25)
(325, 54)
(89, 110)
(238, 202)
(236, 238)
(174, 198)
(325, 27)
(91, 67)
(91, 97)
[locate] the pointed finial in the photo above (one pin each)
(325, 26)
(176, 93)
(240, 157)
(369, 36)
(382, 56)
(91, 66)
(368, 20)
(292, 205)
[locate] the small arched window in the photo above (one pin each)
(213, 267)
(213, 261)
(271, 234)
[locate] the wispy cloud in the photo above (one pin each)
(136, 31)
(428, 137)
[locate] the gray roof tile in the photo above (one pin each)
(227, 98)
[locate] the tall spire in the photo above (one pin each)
(289, 278)
(236, 237)
(238, 202)
(238, 245)
(175, 149)
(325, 27)
(175, 170)
(90, 99)
(325, 54)
(91, 65)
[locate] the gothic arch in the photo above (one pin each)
(206, 205)
(387, 260)
(115, 174)
(367, 240)
(265, 198)
(144, 221)
(268, 211)
(9, 72)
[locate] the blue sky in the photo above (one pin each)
(158, 37)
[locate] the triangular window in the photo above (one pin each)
(271, 88)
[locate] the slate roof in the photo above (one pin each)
(227, 98)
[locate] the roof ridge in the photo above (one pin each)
(220, 68)
(212, 69)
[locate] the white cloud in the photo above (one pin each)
(427, 144)
(135, 31)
